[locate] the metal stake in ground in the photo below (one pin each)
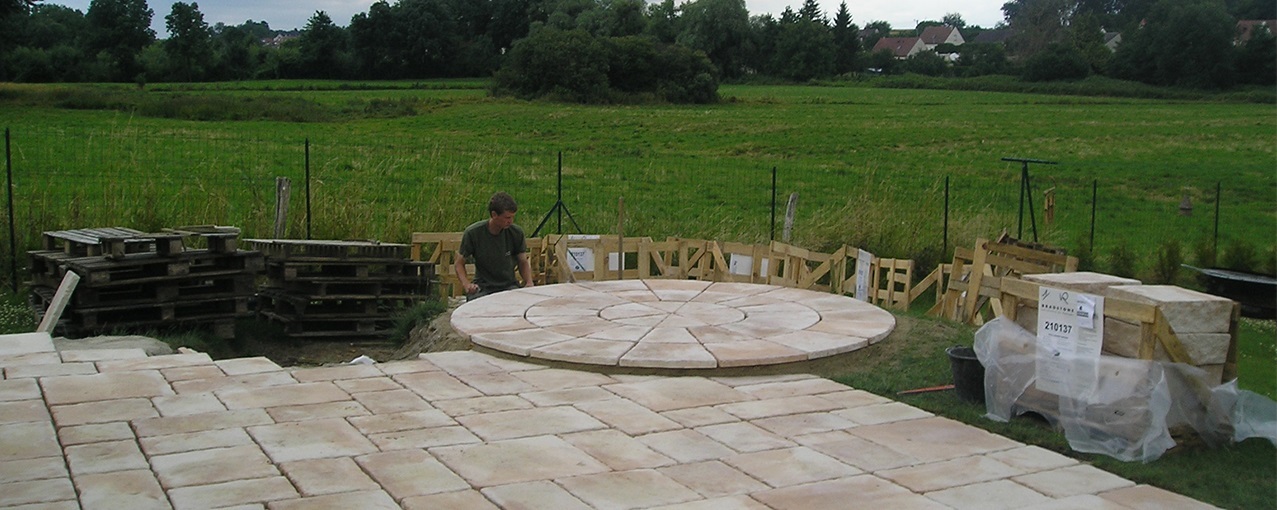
(1026, 192)
(558, 207)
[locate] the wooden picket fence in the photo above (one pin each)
(573, 258)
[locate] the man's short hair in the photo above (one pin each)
(502, 203)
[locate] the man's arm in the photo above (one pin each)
(525, 269)
(459, 267)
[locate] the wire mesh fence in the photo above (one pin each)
(77, 178)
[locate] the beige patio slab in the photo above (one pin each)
(423, 438)
(34, 371)
(790, 466)
(1147, 497)
(105, 457)
(335, 373)
(568, 396)
(934, 439)
(517, 460)
(686, 446)
(317, 477)
(19, 389)
(103, 411)
(628, 417)
(547, 379)
(201, 422)
(793, 388)
(381, 423)
(460, 500)
(529, 422)
(950, 473)
(363, 500)
(481, 405)
(518, 342)
(310, 440)
(807, 423)
(191, 403)
(18, 344)
(639, 488)
(95, 433)
(667, 336)
(699, 416)
(243, 382)
(853, 398)
(192, 441)
(1082, 501)
(495, 383)
(864, 491)
(748, 353)
(854, 451)
(678, 393)
(756, 409)
(408, 473)
(723, 503)
(215, 465)
(712, 479)
(745, 437)
(121, 489)
(155, 362)
(583, 350)
(90, 355)
(1032, 458)
(193, 372)
(23, 410)
(244, 366)
(617, 449)
(38, 493)
(277, 396)
(533, 495)
(367, 385)
(320, 411)
(877, 414)
(669, 355)
(392, 401)
(32, 469)
(436, 385)
(1072, 481)
(995, 495)
(239, 492)
(623, 333)
(75, 389)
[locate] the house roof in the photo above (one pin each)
(934, 35)
(900, 47)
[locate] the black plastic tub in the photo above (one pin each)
(968, 374)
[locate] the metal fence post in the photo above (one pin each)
(13, 251)
(773, 228)
(308, 188)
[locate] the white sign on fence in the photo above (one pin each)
(864, 263)
(581, 260)
(1070, 336)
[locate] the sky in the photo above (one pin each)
(289, 14)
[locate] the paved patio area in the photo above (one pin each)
(681, 324)
(114, 429)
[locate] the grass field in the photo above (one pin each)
(869, 164)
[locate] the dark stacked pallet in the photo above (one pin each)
(339, 289)
(135, 281)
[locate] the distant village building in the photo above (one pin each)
(1112, 40)
(280, 38)
(937, 35)
(900, 47)
(1247, 27)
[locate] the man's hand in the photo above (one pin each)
(470, 288)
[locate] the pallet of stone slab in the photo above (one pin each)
(335, 270)
(302, 307)
(1151, 322)
(184, 288)
(158, 313)
(150, 267)
(279, 250)
(317, 328)
(366, 289)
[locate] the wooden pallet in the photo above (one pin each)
(344, 269)
(345, 307)
(149, 267)
(330, 251)
(317, 328)
(177, 288)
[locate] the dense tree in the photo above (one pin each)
(804, 49)
(1185, 43)
(118, 31)
(927, 63)
(14, 7)
(846, 41)
(1257, 59)
(323, 48)
(719, 28)
(954, 20)
(662, 21)
(1057, 62)
(1036, 24)
(615, 18)
(189, 46)
(238, 51)
(979, 59)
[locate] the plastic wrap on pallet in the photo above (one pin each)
(1129, 410)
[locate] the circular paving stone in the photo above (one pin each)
(671, 323)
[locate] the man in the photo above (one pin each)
(496, 246)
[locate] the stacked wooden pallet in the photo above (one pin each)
(339, 289)
(136, 281)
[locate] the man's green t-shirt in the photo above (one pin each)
(495, 257)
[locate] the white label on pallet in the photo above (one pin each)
(1070, 336)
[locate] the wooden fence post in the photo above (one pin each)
(283, 188)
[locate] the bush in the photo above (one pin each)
(1166, 265)
(1085, 255)
(1057, 62)
(1204, 253)
(1240, 256)
(1122, 261)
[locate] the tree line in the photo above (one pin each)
(591, 50)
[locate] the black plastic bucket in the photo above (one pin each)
(968, 374)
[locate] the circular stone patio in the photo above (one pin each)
(671, 323)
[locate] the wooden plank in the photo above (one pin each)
(969, 308)
(1166, 334)
(1230, 360)
(59, 303)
